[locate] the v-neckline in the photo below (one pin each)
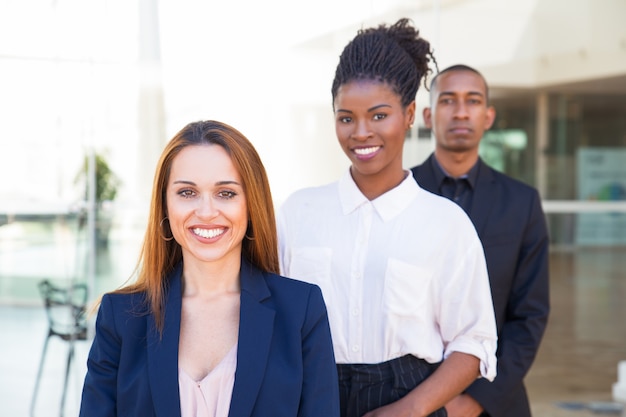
(220, 364)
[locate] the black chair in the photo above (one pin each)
(66, 312)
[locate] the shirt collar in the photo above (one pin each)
(441, 174)
(388, 205)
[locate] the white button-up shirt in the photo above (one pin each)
(402, 274)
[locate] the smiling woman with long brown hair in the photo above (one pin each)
(209, 328)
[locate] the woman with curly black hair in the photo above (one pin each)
(402, 270)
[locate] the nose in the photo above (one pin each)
(361, 130)
(206, 207)
(460, 111)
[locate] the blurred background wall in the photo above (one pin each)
(117, 78)
(90, 91)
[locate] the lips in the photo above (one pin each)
(461, 130)
(208, 233)
(367, 152)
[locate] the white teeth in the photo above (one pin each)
(366, 151)
(208, 233)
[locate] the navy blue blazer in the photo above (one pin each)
(285, 361)
(511, 225)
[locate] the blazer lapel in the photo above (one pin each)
(425, 176)
(484, 196)
(484, 190)
(163, 353)
(256, 323)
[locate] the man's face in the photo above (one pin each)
(459, 114)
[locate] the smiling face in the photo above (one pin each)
(371, 124)
(460, 113)
(206, 205)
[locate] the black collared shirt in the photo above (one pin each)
(461, 189)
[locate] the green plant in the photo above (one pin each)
(106, 184)
(106, 181)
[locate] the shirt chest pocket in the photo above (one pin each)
(310, 264)
(406, 289)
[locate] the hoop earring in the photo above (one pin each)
(248, 237)
(167, 239)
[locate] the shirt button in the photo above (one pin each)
(355, 348)
(355, 311)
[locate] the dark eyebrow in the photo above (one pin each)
(228, 182)
(224, 182)
(371, 109)
(452, 93)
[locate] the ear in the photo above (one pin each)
(490, 117)
(410, 113)
(428, 117)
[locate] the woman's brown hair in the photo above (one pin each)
(159, 256)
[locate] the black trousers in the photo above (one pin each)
(365, 387)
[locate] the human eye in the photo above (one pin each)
(227, 194)
(186, 193)
(379, 116)
(344, 119)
